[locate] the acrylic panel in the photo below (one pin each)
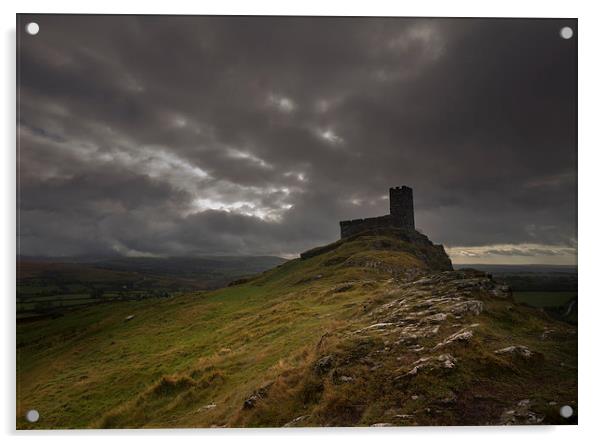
(231, 221)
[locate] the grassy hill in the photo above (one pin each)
(374, 329)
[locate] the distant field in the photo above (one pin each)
(533, 278)
(48, 287)
(544, 298)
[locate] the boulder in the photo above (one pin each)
(461, 336)
(447, 360)
(323, 365)
(251, 401)
(515, 350)
(403, 416)
(521, 414)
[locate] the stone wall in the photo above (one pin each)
(401, 215)
(351, 227)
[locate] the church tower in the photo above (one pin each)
(401, 201)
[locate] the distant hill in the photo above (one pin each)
(50, 286)
(204, 272)
(529, 268)
(375, 329)
(227, 266)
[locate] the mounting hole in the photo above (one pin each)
(32, 28)
(566, 411)
(32, 416)
(566, 32)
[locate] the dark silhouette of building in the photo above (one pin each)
(401, 215)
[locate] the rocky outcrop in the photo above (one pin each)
(413, 343)
(411, 241)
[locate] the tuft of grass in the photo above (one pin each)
(169, 386)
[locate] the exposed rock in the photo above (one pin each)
(478, 283)
(501, 292)
(377, 326)
(256, 396)
(251, 401)
(412, 332)
(439, 317)
(472, 306)
(445, 361)
(461, 336)
(448, 360)
(296, 421)
(382, 424)
(346, 286)
(209, 406)
(417, 365)
(324, 364)
(515, 350)
(521, 415)
(129, 318)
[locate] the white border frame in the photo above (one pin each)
(590, 98)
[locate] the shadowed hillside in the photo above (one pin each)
(375, 329)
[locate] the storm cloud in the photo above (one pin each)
(176, 135)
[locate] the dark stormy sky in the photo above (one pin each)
(216, 135)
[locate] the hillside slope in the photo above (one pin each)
(374, 329)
